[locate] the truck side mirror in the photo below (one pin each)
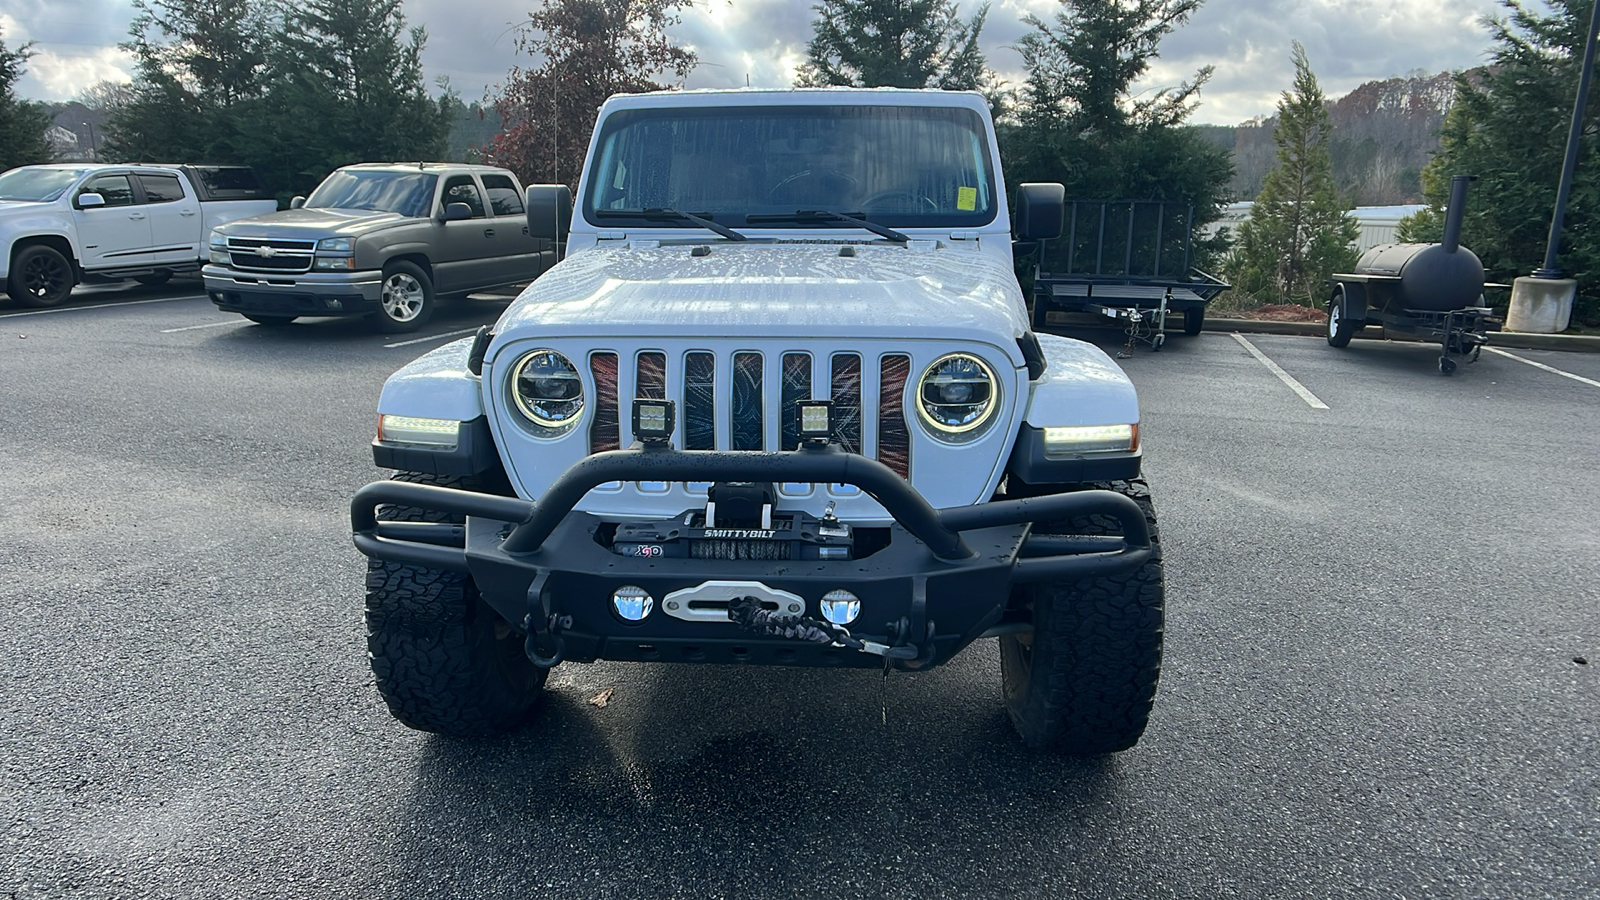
(455, 212)
(550, 212)
(90, 201)
(1041, 212)
(296, 202)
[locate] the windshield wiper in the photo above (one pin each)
(661, 212)
(828, 215)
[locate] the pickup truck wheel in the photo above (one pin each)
(407, 300)
(269, 321)
(443, 659)
(40, 277)
(1084, 681)
(154, 279)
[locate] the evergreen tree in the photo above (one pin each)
(1078, 123)
(22, 123)
(1298, 232)
(590, 49)
(896, 43)
(200, 66)
(347, 87)
(1509, 127)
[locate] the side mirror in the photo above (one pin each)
(90, 201)
(455, 212)
(296, 202)
(550, 212)
(1041, 212)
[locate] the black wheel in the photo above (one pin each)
(154, 279)
(443, 659)
(1157, 341)
(40, 277)
(1083, 682)
(407, 300)
(1447, 366)
(1341, 328)
(1194, 320)
(269, 321)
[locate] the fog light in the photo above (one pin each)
(632, 603)
(840, 607)
(816, 420)
(443, 433)
(652, 421)
(1072, 441)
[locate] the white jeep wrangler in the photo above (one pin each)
(779, 404)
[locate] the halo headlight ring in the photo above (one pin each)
(547, 391)
(958, 397)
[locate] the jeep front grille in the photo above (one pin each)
(271, 254)
(869, 409)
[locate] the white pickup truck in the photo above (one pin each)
(62, 225)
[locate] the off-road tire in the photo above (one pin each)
(1084, 681)
(269, 321)
(40, 277)
(443, 659)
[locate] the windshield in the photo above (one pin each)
(407, 193)
(37, 183)
(749, 166)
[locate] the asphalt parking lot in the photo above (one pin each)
(1377, 608)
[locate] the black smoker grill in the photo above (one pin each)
(1127, 260)
(1430, 291)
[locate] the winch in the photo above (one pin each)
(739, 522)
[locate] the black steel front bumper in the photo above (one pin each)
(944, 579)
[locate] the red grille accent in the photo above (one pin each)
(894, 434)
(847, 401)
(605, 431)
(652, 384)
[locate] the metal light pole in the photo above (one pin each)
(1549, 270)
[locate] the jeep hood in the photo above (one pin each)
(310, 224)
(774, 291)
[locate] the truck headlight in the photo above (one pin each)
(958, 396)
(547, 390)
(218, 247)
(441, 433)
(1070, 442)
(334, 263)
(336, 245)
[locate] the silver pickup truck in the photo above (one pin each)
(384, 240)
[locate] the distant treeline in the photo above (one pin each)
(1384, 132)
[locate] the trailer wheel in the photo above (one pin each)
(442, 658)
(1341, 328)
(1194, 320)
(1447, 366)
(1083, 682)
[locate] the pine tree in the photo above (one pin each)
(22, 123)
(1509, 128)
(896, 43)
(1298, 232)
(347, 87)
(590, 49)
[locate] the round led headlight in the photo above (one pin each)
(958, 396)
(547, 389)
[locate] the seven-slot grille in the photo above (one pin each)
(762, 393)
(271, 254)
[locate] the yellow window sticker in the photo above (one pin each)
(967, 198)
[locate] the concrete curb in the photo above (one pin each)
(1516, 340)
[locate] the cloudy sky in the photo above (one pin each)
(1248, 41)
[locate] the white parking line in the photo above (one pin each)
(1540, 365)
(61, 309)
(206, 325)
(1310, 398)
(431, 338)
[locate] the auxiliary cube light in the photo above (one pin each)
(653, 421)
(816, 420)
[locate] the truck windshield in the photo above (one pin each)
(758, 166)
(407, 193)
(37, 183)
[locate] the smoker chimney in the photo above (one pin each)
(1456, 211)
